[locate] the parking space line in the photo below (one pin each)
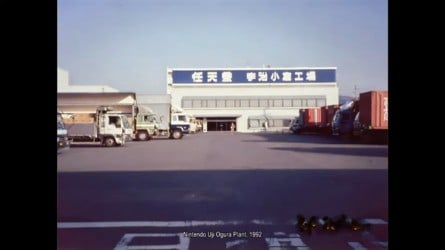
(123, 244)
(357, 246)
(110, 224)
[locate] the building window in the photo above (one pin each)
(280, 122)
(304, 103)
(254, 103)
(296, 102)
(287, 103)
(196, 104)
(187, 103)
(271, 103)
(204, 103)
(244, 103)
(278, 103)
(221, 103)
(287, 122)
(211, 103)
(311, 103)
(321, 102)
(230, 103)
(237, 103)
(254, 123)
(264, 103)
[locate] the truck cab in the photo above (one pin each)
(112, 128)
(62, 135)
(180, 121)
(343, 121)
(146, 126)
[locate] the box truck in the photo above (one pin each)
(148, 124)
(107, 127)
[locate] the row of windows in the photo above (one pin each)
(257, 123)
(254, 103)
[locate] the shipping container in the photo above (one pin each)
(374, 109)
(327, 115)
(312, 117)
(309, 121)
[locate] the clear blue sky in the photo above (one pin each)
(128, 44)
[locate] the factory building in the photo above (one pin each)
(255, 99)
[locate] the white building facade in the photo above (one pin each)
(63, 85)
(255, 99)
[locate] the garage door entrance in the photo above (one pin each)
(220, 123)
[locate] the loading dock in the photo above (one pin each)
(218, 123)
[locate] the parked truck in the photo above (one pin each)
(365, 119)
(62, 135)
(342, 123)
(108, 127)
(371, 122)
(314, 120)
(148, 124)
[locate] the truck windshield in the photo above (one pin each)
(125, 122)
(149, 118)
(60, 124)
(182, 118)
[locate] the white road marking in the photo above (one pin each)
(230, 244)
(261, 222)
(381, 243)
(110, 224)
(357, 246)
(183, 244)
(283, 242)
(375, 221)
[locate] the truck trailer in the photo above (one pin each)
(107, 127)
(371, 123)
(315, 120)
(148, 124)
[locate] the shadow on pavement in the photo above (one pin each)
(213, 195)
(312, 138)
(357, 151)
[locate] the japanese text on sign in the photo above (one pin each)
(254, 76)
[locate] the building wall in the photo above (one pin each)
(82, 106)
(62, 78)
(252, 104)
(63, 85)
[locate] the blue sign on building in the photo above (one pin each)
(257, 76)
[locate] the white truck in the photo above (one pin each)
(148, 124)
(108, 128)
(62, 135)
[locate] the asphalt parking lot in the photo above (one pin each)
(153, 193)
(222, 150)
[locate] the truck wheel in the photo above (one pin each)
(142, 136)
(177, 134)
(109, 142)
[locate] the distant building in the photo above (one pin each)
(78, 103)
(63, 85)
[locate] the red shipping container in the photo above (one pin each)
(374, 109)
(331, 112)
(324, 116)
(312, 117)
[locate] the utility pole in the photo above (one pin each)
(355, 92)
